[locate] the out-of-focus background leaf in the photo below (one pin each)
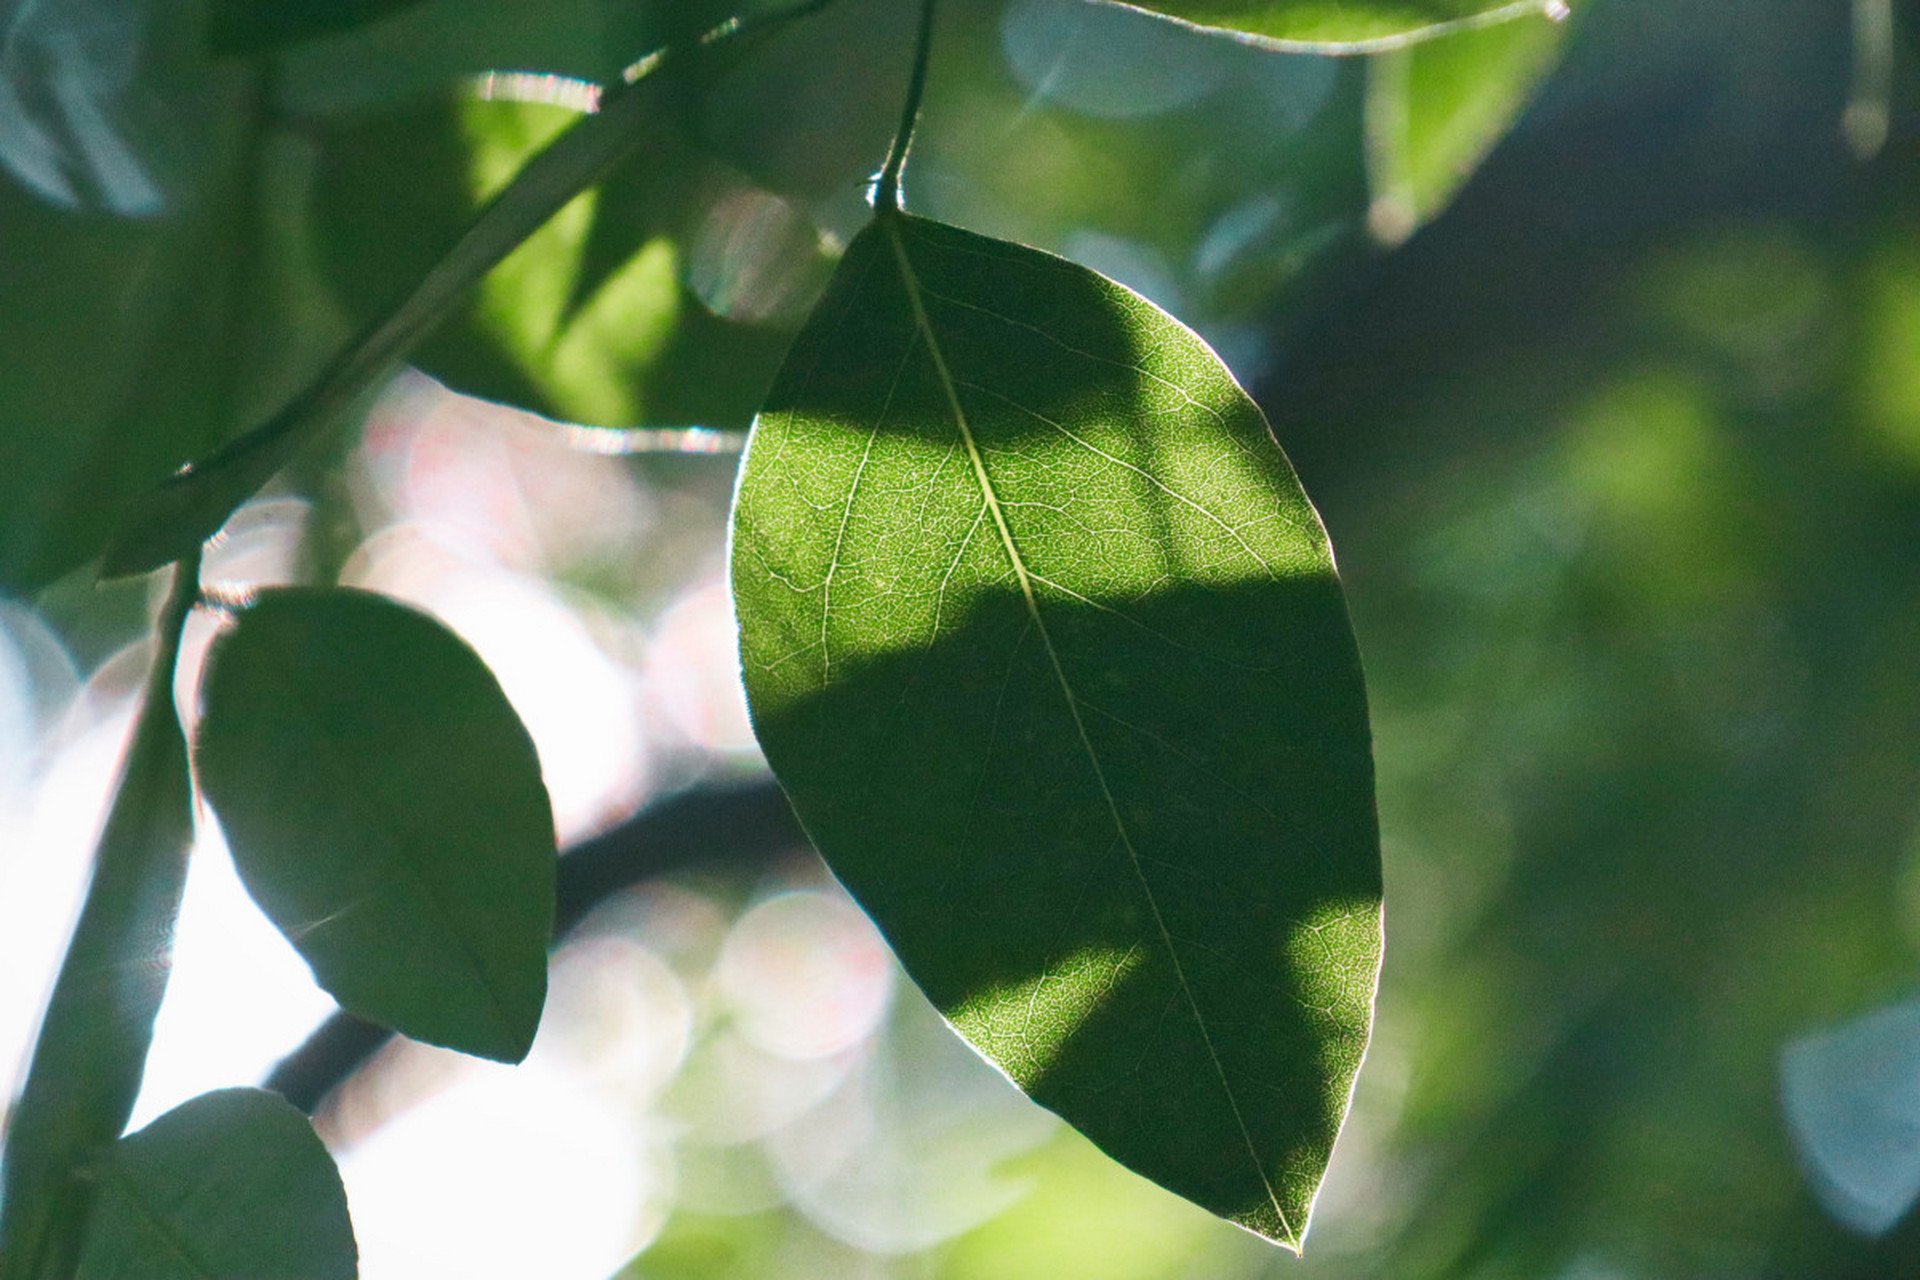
(1620, 453)
(1344, 24)
(148, 263)
(1436, 108)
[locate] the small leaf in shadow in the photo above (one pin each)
(232, 1183)
(385, 808)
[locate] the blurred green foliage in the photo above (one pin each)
(1612, 458)
(297, 195)
(1620, 455)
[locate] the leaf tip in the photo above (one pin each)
(515, 1028)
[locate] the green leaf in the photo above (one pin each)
(385, 808)
(1435, 110)
(1347, 26)
(591, 319)
(192, 505)
(91, 1051)
(254, 26)
(233, 1183)
(1045, 642)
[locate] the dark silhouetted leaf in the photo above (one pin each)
(233, 1183)
(385, 808)
(1045, 642)
(1347, 26)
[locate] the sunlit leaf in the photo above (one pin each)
(385, 808)
(1346, 26)
(1434, 110)
(232, 1183)
(251, 26)
(1045, 641)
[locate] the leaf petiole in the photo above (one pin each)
(886, 188)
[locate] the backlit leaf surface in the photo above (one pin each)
(232, 1183)
(1045, 641)
(385, 808)
(1434, 110)
(1346, 26)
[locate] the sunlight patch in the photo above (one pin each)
(1025, 1025)
(1334, 959)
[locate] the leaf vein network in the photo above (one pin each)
(846, 513)
(1186, 396)
(910, 282)
(1230, 530)
(1163, 637)
(993, 729)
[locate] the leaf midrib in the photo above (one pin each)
(890, 222)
